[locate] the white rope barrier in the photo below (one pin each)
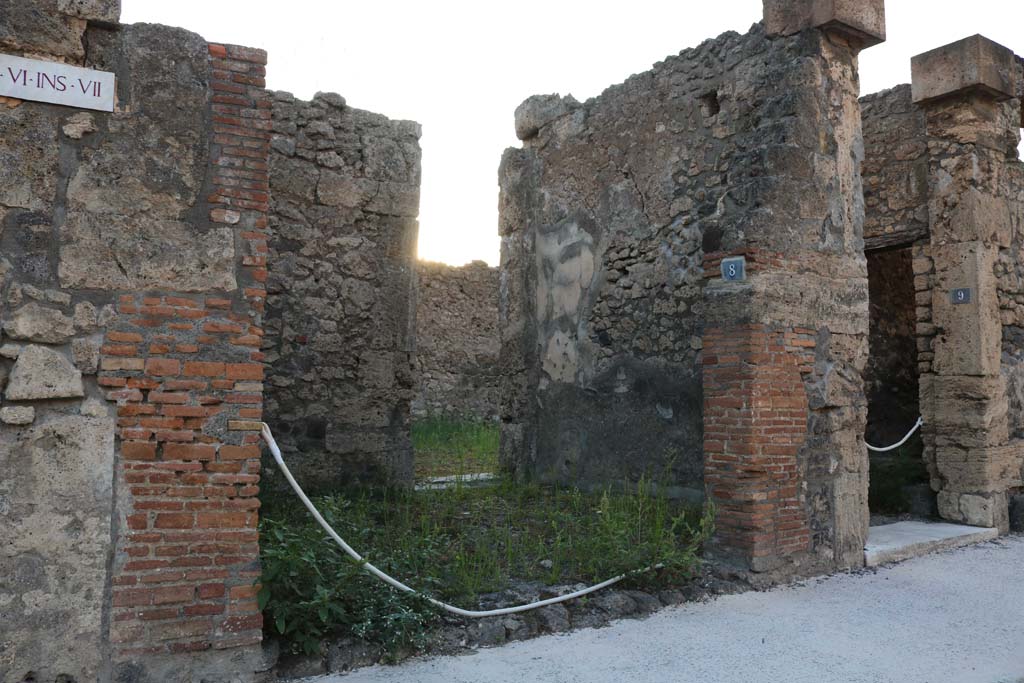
(876, 449)
(276, 451)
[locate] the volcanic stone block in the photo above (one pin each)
(862, 20)
(971, 64)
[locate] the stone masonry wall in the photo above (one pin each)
(896, 191)
(895, 169)
(624, 352)
(340, 316)
(970, 361)
(132, 260)
(457, 341)
(891, 375)
(604, 213)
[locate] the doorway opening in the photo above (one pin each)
(899, 487)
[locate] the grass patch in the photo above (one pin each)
(457, 544)
(447, 447)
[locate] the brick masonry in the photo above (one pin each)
(133, 254)
(755, 415)
(181, 369)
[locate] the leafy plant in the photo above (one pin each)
(456, 544)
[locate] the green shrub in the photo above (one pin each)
(455, 545)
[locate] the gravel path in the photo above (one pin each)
(955, 617)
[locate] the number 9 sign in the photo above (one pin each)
(961, 296)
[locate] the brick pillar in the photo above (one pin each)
(186, 373)
(968, 92)
(755, 416)
(784, 347)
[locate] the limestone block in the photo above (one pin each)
(38, 28)
(988, 511)
(86, 354)
(851, 516)
(85, 316)
(979, 217)
(979, 470)
(395, 199)
(337, 189)
(41, 373)
(105, 11)
(79, 125)
(115, 252)
(538, 111)
(970, 337)
(862, 20)
(17, 415)
(10, 351)
(36, 323)
(971, 64)
(53, 561)
(969, 412)
(28, 154)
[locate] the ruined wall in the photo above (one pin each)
(895, 170)
(970, 361)
(457, 341)
(340, 312)
(131, 252)
(618, 334)
(895, 174)
(603, 219)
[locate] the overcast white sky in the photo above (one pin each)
(460, 68)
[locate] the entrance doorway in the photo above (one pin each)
(899, 486)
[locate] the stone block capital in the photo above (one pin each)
(862, 21)
(972, 65)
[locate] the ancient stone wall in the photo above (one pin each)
(624, 351)
(891, 375)
(895, 170)
(895, 174)
(340, 314)
(970, 302)
(457, 341)
(603, 219)
(132, 252)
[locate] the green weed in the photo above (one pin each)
(446, 446)
(457, 544)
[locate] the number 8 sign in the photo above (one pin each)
(734, 269)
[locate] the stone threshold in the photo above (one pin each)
(904, 540)
(457, 480)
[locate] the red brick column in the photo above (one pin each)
(755, 422)
(186, 372)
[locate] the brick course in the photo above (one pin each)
(180, 367)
